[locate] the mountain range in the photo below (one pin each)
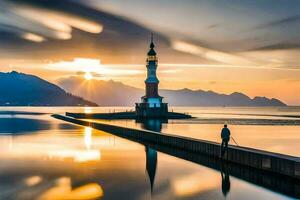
(112, 93)
(18, 89)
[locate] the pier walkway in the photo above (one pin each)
(269, 162)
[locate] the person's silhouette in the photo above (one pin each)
(225, 135)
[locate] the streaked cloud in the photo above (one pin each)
(36, 23)
(219, 56)
(32, 37)
(283, 21)
(219, 31)
(59, 21)
(224, 34)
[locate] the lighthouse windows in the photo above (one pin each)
(151, 58)
(154, 102)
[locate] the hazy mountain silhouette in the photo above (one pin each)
(111, 93)
(18, 89)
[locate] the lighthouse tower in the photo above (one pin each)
(151, 105)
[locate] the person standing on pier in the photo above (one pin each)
(225, 135)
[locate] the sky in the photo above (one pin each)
(249, 46)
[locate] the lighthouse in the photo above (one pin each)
(151, 108)
(151, 105)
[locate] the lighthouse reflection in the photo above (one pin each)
(151, 161)
(151, 154)
(152, 124)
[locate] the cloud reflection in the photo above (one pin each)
(76, 155)
(63, 191)
(33, 180)
(194, 184)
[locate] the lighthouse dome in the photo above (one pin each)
(151, 52)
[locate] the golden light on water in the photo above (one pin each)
(33, 180)
(87, 110)
(78, 155)
(63, 191)
(88, 137)
(88, 191)
(195, 184)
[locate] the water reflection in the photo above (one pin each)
(54, 164)
(195, 184)
(188, 185)
(151, 163)
(274, 182)
(17, 125)
(151, 154)
(88, 137)
(78, 155)
(225, 178)
(152, 124)
(63, 191)
(33, 180)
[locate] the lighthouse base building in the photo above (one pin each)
(145, 111)
(151, 105)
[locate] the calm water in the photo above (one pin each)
(245, 124)
(44, 158)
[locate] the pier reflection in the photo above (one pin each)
(271, 181)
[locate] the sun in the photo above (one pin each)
(88, 76)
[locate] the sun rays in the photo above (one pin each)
(88, 76)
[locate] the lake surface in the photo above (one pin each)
(44, 158)
(262, 128)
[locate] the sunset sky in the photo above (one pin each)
(250, 46)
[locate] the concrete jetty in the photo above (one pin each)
(285, 165)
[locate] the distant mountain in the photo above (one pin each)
(18, 89)
(111, 93)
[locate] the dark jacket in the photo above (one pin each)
(225, 134)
